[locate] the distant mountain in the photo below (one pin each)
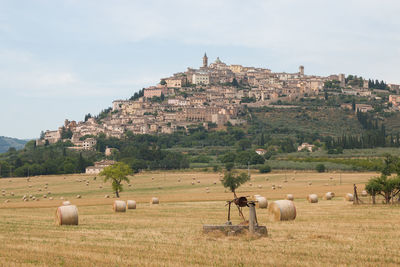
(7, 142)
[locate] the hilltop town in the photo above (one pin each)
(214, 95)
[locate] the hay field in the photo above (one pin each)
(328, 233)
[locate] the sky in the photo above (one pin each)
(62, 59)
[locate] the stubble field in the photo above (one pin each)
(328, 233)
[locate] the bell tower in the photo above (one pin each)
(205, 61)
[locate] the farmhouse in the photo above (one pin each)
(99, 166)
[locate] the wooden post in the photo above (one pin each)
(252, 218)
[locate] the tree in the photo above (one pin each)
(386, 187)
(320, 168)
(117, 173)
(233, 180)
(163, 82)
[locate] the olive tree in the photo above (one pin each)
(386, 187)
(117, 173)
(233, 180)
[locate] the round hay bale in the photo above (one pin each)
(119, 206)
(129, 185)
(106, 196)
(309, 183)
(261, 203)
(6, 201)
(192, 183)
(349, 197)
(250, 184)
(364, 193)
(179, 180)
(215, 182)
(49, 193)
(67, 215)
(78, 196)
(279, 186)
(100, 186)
(193, 178)
(50, 198)
(198, 181)
(66, 203)
(30, 186)
(259, 186)
(328, 196)
(44, 196)
(282, 210)
(154, 200)
(290, 197)
(273, 187)
(131, 204)
(12, 194)
(312, 198)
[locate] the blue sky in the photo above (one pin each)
(65, 58)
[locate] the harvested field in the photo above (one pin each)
(327, 233)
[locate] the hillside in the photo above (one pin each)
(7, 142)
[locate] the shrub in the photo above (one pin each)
(265, 168)
(229, 166)
(320, 168)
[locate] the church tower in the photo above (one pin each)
(205, 61)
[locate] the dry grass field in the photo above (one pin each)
(328, 233)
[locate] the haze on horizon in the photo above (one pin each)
(63, 59)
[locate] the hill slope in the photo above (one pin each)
(7, 142)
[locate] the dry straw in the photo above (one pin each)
(67, 215)
(312, 198)
(364, 193)
(290, 197)
(131, 204)
(261, 203)
(349, 197)
(119, 206)
(282, 210)
(154, 200)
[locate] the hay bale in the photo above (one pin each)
(282, 210)
(67, 215)
(261, 203)
(312, 198)
(198, 181)
(78, 196)
(279, 186)
(50, 198)
(66, 203)
(290, 197)
(106, 196)
(119, 206)
(154, 200)
(131, 204)
(349, 197)
(6, 201)
(129, 185)
(179, 180)
(250, 184)
(12, 194)
(364, 193)
(192, 183)
(44, 196)
(309, 183)
(329, 196)
(259, 186)
(215, 182)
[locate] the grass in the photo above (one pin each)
(328, 233)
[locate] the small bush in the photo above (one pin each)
(265, 168)
(320, 168)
